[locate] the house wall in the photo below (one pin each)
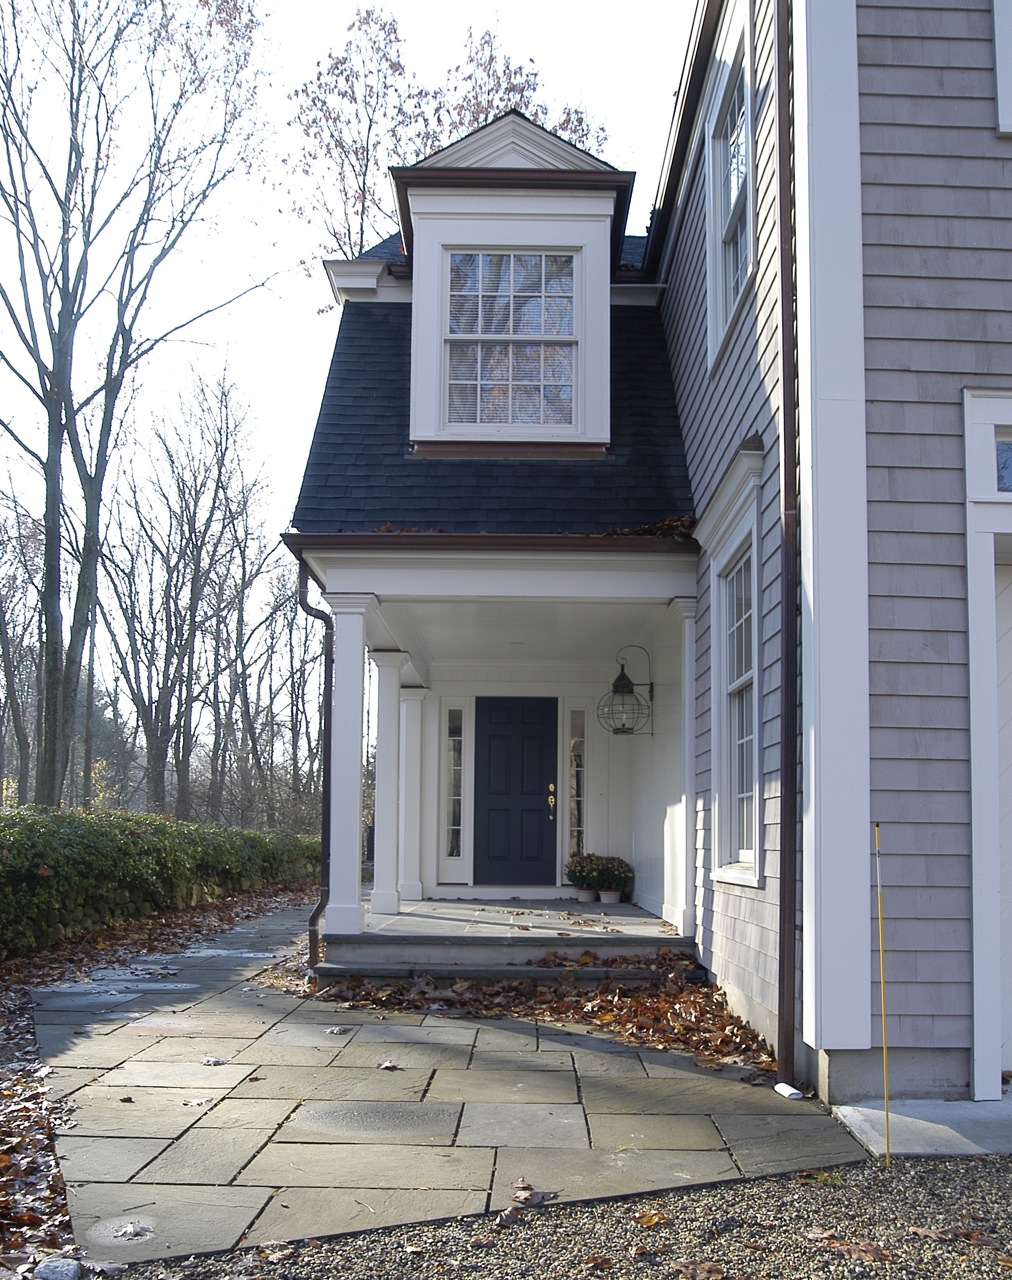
(719, 408)
(937, 219)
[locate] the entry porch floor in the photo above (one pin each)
(493, 937)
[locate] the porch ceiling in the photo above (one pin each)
(498, 599)
(528, 631)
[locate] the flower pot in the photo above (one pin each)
(610, 895)
(586, 895)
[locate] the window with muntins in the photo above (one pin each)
(511, 345)
(733, 162)
(740, 710)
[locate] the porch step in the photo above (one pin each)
(498, 956)
(584, 975)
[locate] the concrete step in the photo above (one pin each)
(423, 951)
(584, 975)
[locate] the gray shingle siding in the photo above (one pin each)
(937, 206)
(361, 475)
(719, 408)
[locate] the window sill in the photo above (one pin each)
(741, 873)
(530, 449)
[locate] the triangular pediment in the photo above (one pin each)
(513, 142)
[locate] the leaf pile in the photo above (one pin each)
(675, 1011)
(33, 1200)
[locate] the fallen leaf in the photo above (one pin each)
(651, 1218)
(337, 1031)
(126, 1098)
(508, 1217)
(389, 1065)
(414, 1248)
(481, 1242)
(197, 1102)
(859, 1250)
(209, 1060)
(689, 1270)
(598, 1262)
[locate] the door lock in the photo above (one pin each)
(551, 802)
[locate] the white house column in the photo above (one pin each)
(680, 866)
(410, 836)
(344, 913)
(385, 898)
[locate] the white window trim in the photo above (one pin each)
(729, 531)
(577, 223)
(1003, 64)
(733, 56)
(987, 418)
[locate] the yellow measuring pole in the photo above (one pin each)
(882, 991)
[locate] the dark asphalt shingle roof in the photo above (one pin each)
(361, 476)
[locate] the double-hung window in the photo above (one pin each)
(739, 687)
(728, 137)
(733, 165)
(511, 346)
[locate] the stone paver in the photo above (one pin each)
(370, 1165)
(507, 1086)
(106, 1159)
(301, 1133)
(299, 1212)
(129, 1222)
(654, 1133)
(514, 1124)
(369, 1121)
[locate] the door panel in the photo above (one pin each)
(516, 748)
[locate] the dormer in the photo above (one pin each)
(512, 236)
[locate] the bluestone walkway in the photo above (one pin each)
(212, 1112)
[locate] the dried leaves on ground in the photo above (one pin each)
(674, 1010)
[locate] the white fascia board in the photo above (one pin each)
(365, 280)
(463, 575)
(1003, 63)
(837, 943)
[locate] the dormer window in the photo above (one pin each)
(510, 347)
(510, 234)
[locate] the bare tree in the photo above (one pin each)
(119, 121)
(363, 112)
(170, 562)
(20, 560)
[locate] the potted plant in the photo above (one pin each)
(581, 872)
(614, 877)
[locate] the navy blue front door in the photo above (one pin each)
(515, 792)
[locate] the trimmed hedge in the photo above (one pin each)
(63, 874)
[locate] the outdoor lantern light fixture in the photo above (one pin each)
(622, 709)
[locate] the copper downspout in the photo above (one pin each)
(789, 638)
(328, 688)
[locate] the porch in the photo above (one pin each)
(491, 767)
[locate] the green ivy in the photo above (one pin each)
(63, 874)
